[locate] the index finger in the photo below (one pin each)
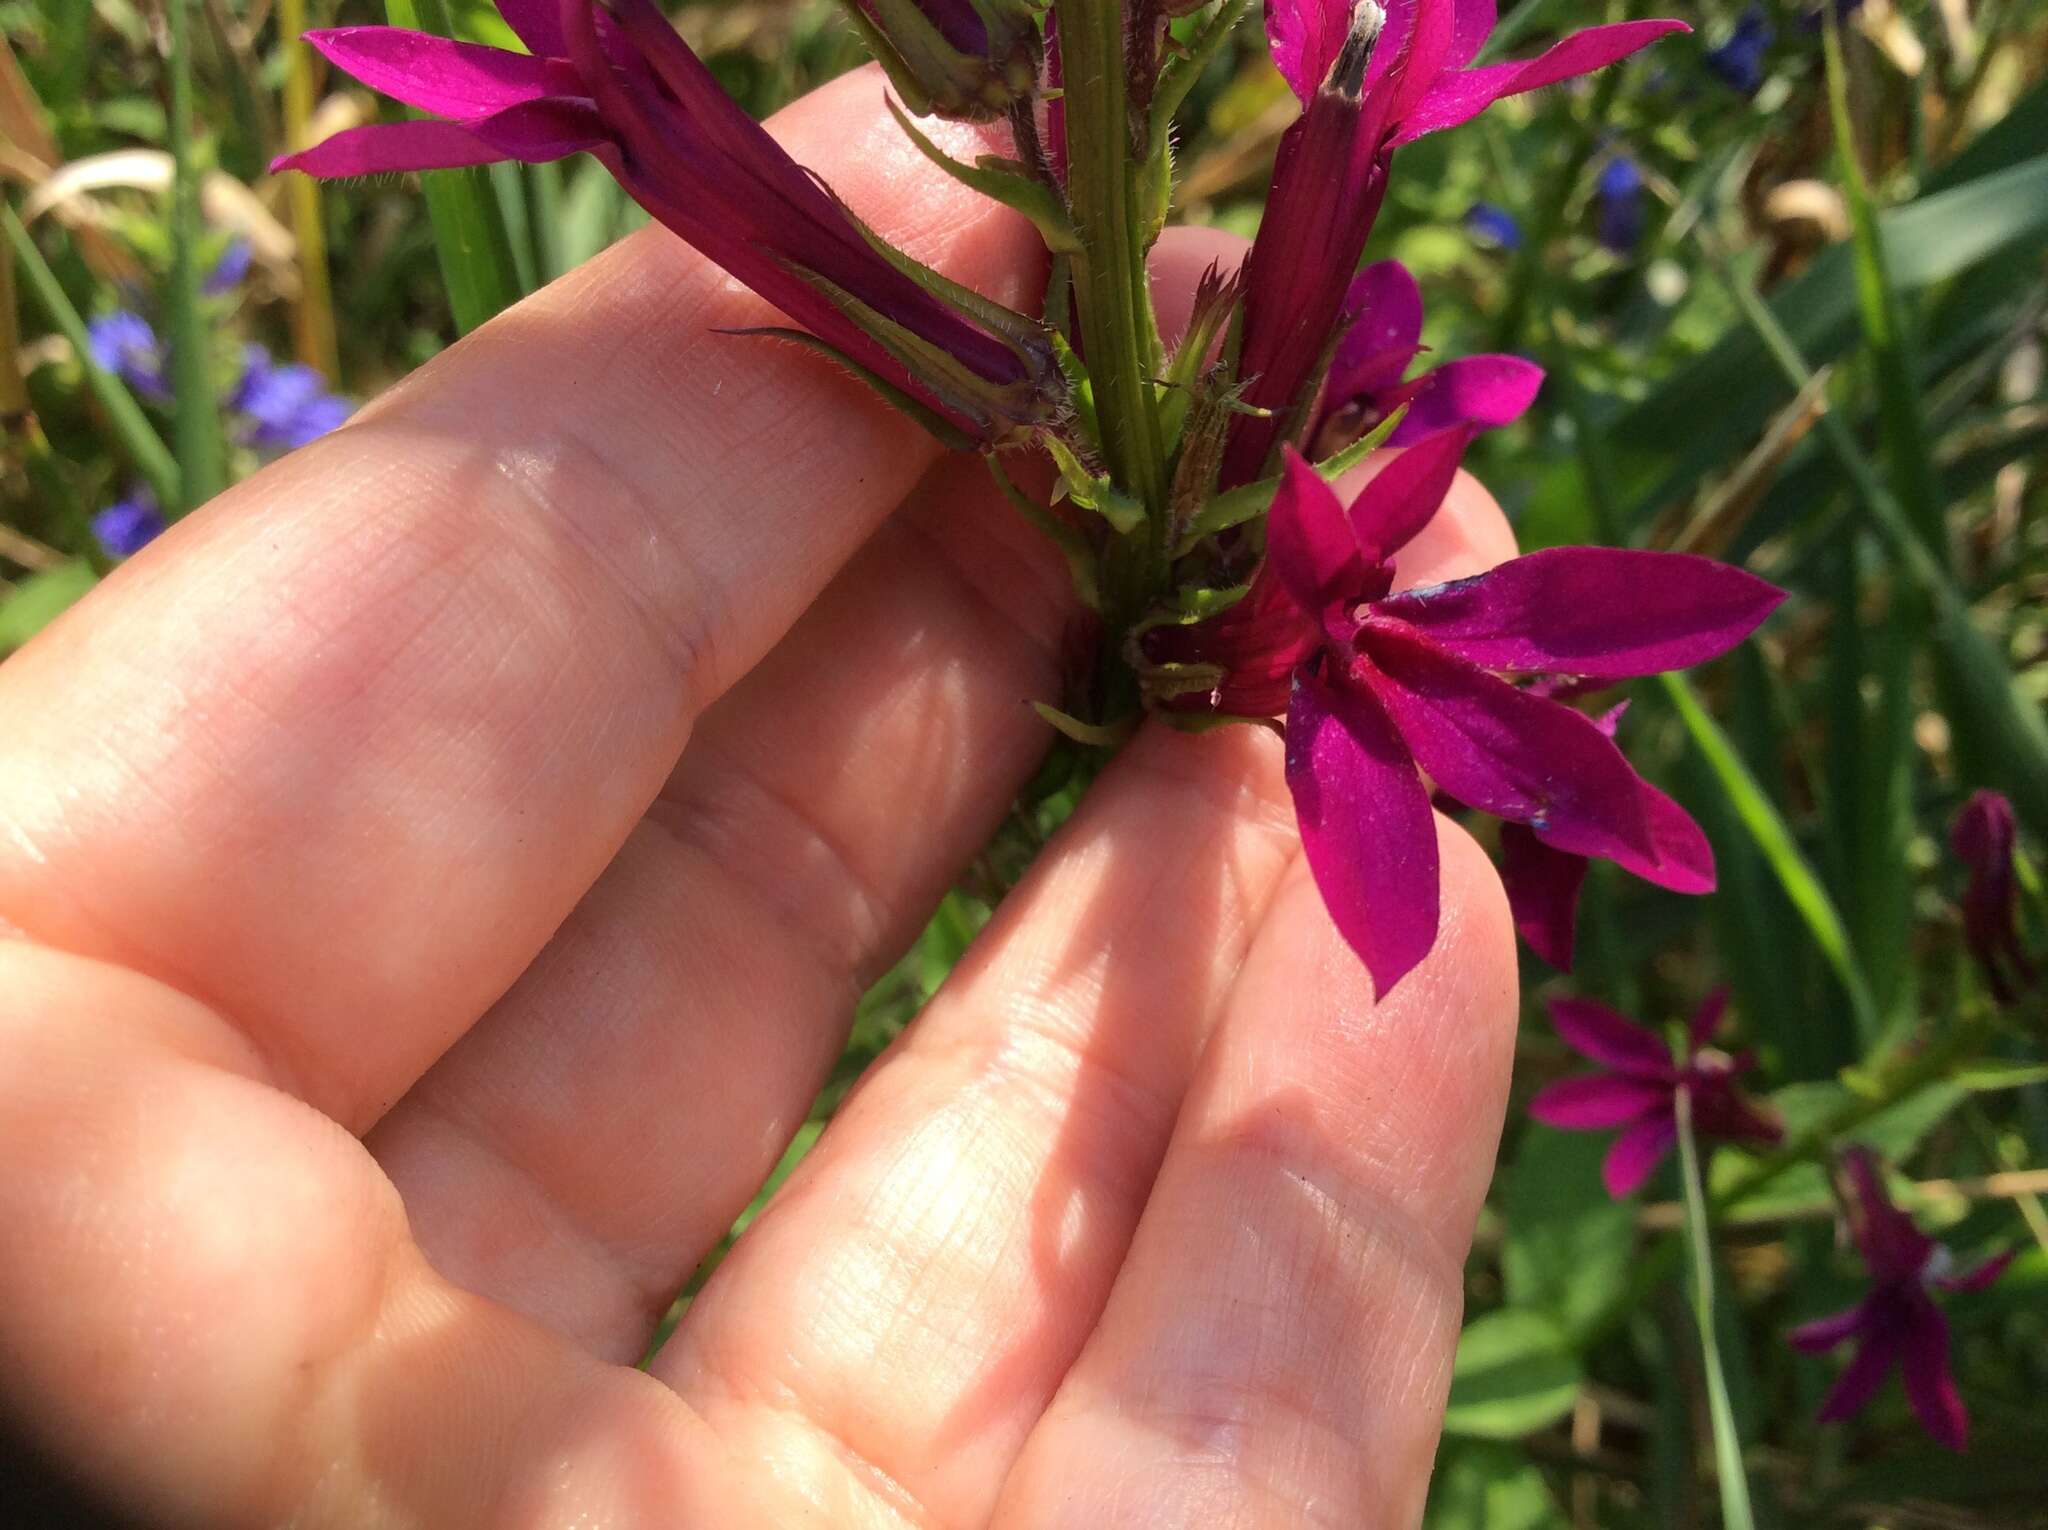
(337, 754)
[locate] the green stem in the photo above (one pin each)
(313, 327)
(1113, 295)
(1735, 1510)
(202, 449)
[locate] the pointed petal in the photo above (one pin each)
(1384, 310)
(1684, 860)
(1305, 36)
(1366, 827)
(1407, 493)
(1504, 751)
(1309, 544)
(1930, 1384)
(1414, 52)
(538, 24)
(1596, 1102)
(1605, 612)
(1891, 1245)
(1865, 1373)
(1706, 1020)
(451, 79)
(1543, 892)
(1636, 1152)
(1979, 1278)
(1460, 96)
(1475, 21)
(1483, 391)
(1825, 1333)
(383, 148)
(1607, 1036)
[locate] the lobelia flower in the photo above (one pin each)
(970, 59)
(1369, 79)
(1376, 684)
(1897, 1322)
(123, 343)
(1618, 204)
(284, 406)
(1640, 1091)
(125, 527)
(616, 81)
(1493, 224)
(1383, 314)
(1739, 62)
(1985, 837)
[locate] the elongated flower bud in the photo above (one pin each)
(954, 58)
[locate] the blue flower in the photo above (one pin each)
(285, 405)
(1494, 225)
(127, 525)
(123, 343)
(229, 270)
(1618, 196)
(1739, 62)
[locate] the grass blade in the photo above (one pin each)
(196, 427)
(469, 229)
(138, 438)
(1734, 1481)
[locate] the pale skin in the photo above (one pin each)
(435, 879)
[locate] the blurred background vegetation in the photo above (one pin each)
(1819, 354)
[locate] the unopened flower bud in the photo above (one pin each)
(957, 58)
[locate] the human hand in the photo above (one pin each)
(442, 872)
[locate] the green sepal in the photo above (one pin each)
(905, 82)
(1098, 736)
(1255, 499)
(947, 433)
(1163, 682)
(990, 176)
(1092, 491)
(1192, 603)
(1180, 76)
(1081, 561)
(1080, 386)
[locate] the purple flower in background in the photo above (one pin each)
(122, 342)
(1384, 313)
(1739, 62)
(1376, 685)
(1370, 78)
(284, 406)
(619, 83)
(1618, 204)
(1985, 838)
(127, 525)
(1897, 1322)
(229, 270)
(1494, 224)
(1640, 1091)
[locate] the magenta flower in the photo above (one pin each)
(1370, 79)
(1984, 837)
(1376, 685)
(1382, 338)
(1897, 1321)
(1640, 1091)
(620, 84)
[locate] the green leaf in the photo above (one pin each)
(1515, 1373)
(1569, 1244)
(33, 603)
(1180, 75)
(1999, 1073)
(1479, 1485)
(469, 227)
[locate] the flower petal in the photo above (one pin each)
(1596, 1102)
(1305, 37)
(1501, 750)
(1706, 1020)
(1979, 1278)
(538, 24)
(1461, 96)
(384, 148)
(1930, 1384)
(1603, 612)
(1406, 494)
(1593, 1030)
(1366, 826)
(1383, 308)
(1864, 1374)
(1474, 24)
(1636, 1152)
(1893, 1248)
(1825, 1333)
(1484, 391)
(1415, 49)
(1543, 892)
(451, 79)
(1309, 543)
